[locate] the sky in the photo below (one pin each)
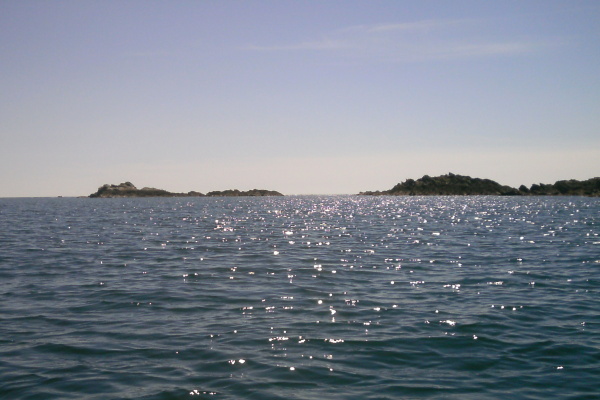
(303, 97)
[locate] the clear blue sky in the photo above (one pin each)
(298, 96)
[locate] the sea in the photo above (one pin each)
(300, 297)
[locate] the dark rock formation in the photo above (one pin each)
(445, 185)
(572, 187)
(127, 189)
(452, 184)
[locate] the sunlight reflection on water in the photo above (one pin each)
(290, 297)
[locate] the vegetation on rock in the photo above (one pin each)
(452, 184)
(572, 187)
(127, 189)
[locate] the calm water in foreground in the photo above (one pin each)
(335, 297)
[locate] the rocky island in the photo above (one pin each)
(128, 189)
(457, 185)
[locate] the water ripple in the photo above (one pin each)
(332, 297)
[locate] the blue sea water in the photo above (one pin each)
(301, 297)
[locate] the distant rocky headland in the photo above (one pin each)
(127, 189)
(454, 185)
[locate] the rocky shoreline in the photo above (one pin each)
(459, 185)
(128, 189)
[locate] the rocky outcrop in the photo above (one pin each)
(453, 185)
(445, 185)
(127, 189)
(572, 187)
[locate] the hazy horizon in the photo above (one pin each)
(262, 188)
(334, 97)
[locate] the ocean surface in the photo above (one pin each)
(300, 297)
